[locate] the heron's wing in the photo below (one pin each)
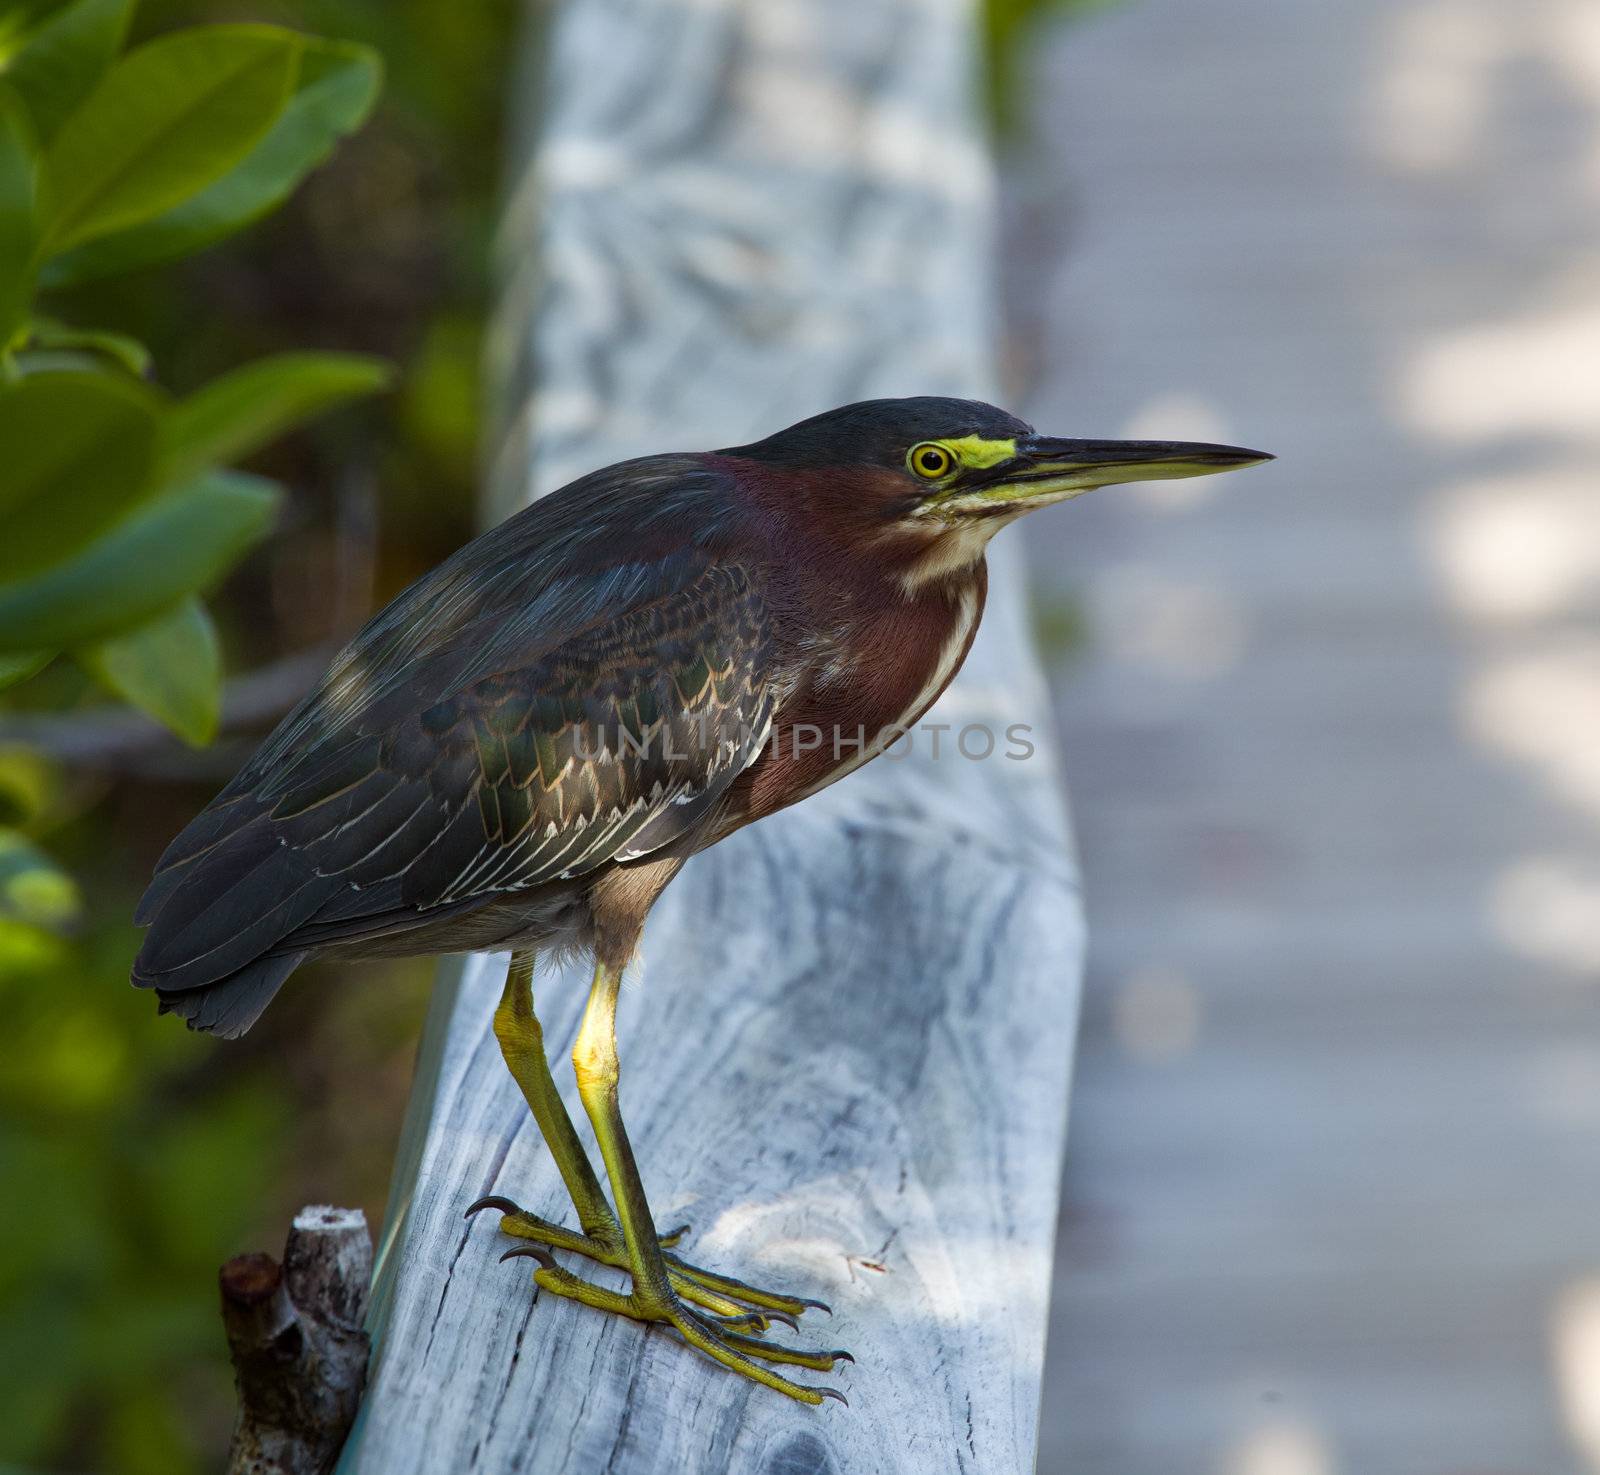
(604, 749)
(390, 799)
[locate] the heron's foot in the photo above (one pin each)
(726, 1339)
(721, 1295)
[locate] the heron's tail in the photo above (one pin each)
(231, 1005)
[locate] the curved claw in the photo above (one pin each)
(763, 1316)
(831, 1393)
(840, 1355)
(492, 1201)
(670, 1237)
(815, 1305)
(531, 1252)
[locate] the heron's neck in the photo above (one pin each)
(952, 556)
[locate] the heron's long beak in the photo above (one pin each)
(1044, 469)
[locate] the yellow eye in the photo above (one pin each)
(930, 461)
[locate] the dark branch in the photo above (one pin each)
(118, 737)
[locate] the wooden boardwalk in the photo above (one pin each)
(1333, 1185)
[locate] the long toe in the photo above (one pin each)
(739, 1353)
(819, 1360)
(752, 1309)
(727, 1285)
(735, 1350)
(520, 1224)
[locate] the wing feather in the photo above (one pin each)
(520, 717)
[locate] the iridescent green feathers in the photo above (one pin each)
(566, 692)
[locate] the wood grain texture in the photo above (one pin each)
(846, 1056)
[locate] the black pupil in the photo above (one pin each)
(933, 462)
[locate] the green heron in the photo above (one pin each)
(525, 747)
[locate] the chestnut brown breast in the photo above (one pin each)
(856, 696)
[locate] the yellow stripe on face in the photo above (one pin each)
(978, 454)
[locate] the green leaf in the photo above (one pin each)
(20, 179)
(338, 84)
(169, 668)
(63, 56)
(170, 118)
(30, 785)
(18, 19)
(28, 361)
(127, 353)
(77, 449)
(250, 407)
(33, 889)
(22, 665)
(178, 544)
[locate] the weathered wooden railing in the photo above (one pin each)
(847, 1063)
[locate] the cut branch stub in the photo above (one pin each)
(299, 1350)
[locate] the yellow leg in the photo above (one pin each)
(655, 1295)
(521, 1038)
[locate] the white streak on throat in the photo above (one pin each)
(954, 551)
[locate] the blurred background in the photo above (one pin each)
(1331, 731)
(136, 1157)
(1332, 735)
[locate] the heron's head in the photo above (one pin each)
(947, 474)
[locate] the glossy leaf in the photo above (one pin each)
(64, 55)
(337, 86)
(77, 451)
(31, 785)
(169, 668)
(22, 665)
(19, 212)
(246, 409)
(18, 19)
(180, 543)
(33, 889)
(127, 353)
(169, 119)
(28, 361)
